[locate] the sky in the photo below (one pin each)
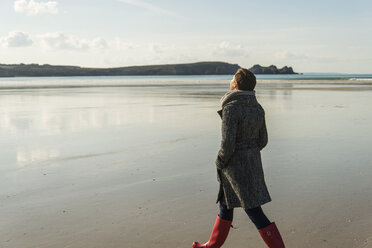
(310, 36)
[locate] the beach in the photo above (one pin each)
(112, 163)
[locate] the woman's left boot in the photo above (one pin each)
(271, 236)
(219, 234)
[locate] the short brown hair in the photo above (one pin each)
(245, 79)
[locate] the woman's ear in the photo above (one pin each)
(235, 84)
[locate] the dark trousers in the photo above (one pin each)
(256, 215)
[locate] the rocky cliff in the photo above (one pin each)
(272, 69)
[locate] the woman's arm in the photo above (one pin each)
(229, 131)
(263, 135)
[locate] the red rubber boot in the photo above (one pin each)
(271, 236)
(219, 234)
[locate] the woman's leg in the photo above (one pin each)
(220, 229)
(258, 217)
(268, 231)
(226, 214)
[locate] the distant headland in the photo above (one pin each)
(199, 68)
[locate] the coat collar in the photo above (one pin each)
(235, 95)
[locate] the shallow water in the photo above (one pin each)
(131, 164)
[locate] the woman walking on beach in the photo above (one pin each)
(239, 167)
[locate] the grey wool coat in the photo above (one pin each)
(239, 166)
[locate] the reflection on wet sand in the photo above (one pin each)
(30, 156)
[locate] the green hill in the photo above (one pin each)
(200, 68)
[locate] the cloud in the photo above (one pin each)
(227, 49)
(118, 43)
(156, 48)
(98, 43)
(33, 7)
(291, 55)
(16, 39)
(149, 6)
(60, 41)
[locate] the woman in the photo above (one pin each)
(239, 167)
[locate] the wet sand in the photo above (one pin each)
(132, 166)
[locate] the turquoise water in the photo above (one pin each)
(218, 82)
(304, 76)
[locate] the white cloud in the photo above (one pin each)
(98, 43)
(60, 41)
(157, 48)
(33, 7)
(149, 6)
(118, 43)
(287, 55)
(227, 49)
(16, 39)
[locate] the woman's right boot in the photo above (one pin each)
(271, 236)
(219, 234)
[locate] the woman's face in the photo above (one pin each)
(233, 84)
